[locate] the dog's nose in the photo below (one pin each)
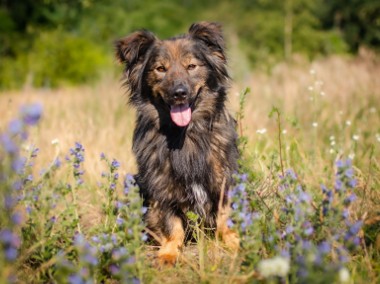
(180, 93)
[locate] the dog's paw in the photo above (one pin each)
(231, 240)
(167, 256)
(167, 259)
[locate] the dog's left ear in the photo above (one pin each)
(131, 49)
(210, 34)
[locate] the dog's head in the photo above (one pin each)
(174, 74)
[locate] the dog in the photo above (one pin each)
(185, 141)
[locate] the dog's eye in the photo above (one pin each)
(191, 67)
(161, 69)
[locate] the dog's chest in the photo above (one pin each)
(200, 198)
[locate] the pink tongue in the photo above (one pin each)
(181, 114)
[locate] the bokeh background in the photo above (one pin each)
(51, 43)
(315, 60)
(305, 90)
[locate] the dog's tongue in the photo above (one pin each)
(180, 114)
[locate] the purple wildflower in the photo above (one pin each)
(76, 279)
(15, 126)
(114, 269)
(8, 144)
(291, 174)
(351, 198)
(115, 164)
(11, 253)
(324, 247)
(31, 114)
(355, 228)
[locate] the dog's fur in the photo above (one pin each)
(185, 160)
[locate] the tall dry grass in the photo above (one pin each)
(98, 116)
(334, 97)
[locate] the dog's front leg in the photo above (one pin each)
(229, 237)
(171, 242)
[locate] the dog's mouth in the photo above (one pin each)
(180, 114)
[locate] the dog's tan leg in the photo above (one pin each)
(229, 237)
(170, 246)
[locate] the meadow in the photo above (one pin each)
(306, 202)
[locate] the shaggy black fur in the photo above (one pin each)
(180, 169)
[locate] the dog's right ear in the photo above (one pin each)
(133, 47)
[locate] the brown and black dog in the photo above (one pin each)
(184, 140)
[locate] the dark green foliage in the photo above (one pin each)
(50, 43)
(357, 20)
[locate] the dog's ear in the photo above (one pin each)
(131, 49)
(210, 34)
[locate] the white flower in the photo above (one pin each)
(372, 110)
(351, 156)
(355, 137)
(55, 141)
(315, 124)
(332, 137)
(27, 147)
(348, 122)
(312, 71)
(344, 275)
(322, 93)
(332, 151)
(277, 266)
(377, 135)
(261, 131)
(284, 131)
(332, 142)
(310, 88)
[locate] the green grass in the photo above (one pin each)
(302, 116)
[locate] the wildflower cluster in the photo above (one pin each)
(304, 235)
(316, 236)
(337, 204)
(85, 267)
(40, 215)
(109, 187)
(242, 205)
(13, 177)
(245, 217)
(77, 159)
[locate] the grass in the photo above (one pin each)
(321, 112)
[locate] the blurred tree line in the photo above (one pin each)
(47, 43)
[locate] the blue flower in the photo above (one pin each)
(115, 164)
(76, 279)
(119, 221)
(339, 164)
(230, 224)
(324, 247)
(352, 183)
(16, 218)
(15, 126)
(351, 198)
(304, 197)
(290, 173)
(355, 228)
(11, 253)
(338, 185)
(31, 114)
(8, 144)
(349, 173)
